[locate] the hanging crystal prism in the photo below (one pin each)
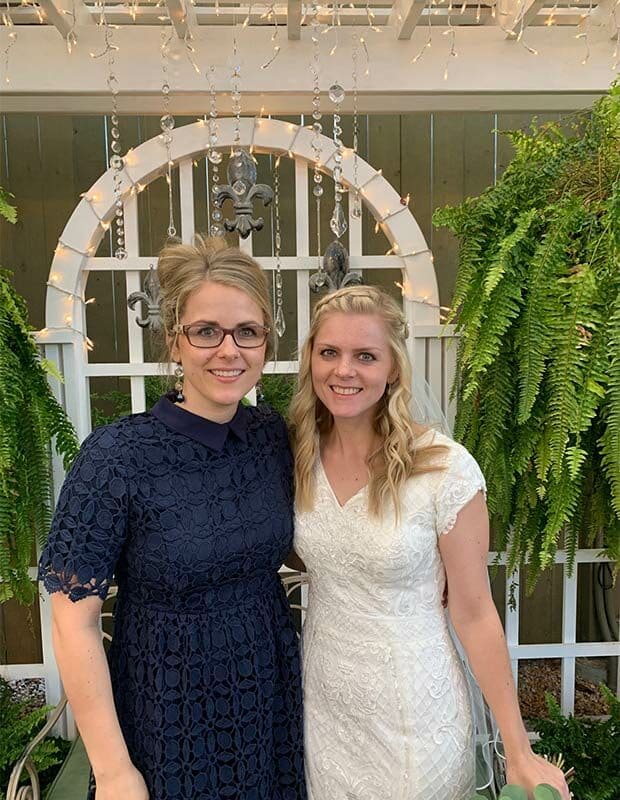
(214, 157)
(338, 222)
(280, 322)
(355, 199)
(166, 123)
(318, 280)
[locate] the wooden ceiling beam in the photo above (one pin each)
(404, 17)
(293, 19)
(59, 14)
(183, 16)
(520, 16)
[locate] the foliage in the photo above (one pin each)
(30, 417)
(537, 310)
(590, 746)
(7, 211)
(109, 406)
(278, 391)
(19, 726)
(512, 792)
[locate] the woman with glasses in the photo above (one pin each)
(189, 506)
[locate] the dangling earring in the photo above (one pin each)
(179, 397)
(260, 394)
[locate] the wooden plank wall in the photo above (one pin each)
(46, 161)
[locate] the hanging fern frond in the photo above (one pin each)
(30, 419)
(537, 313)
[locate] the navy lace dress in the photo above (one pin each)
(194, 519)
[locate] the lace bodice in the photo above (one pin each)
(387, 711)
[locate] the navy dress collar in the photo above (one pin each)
(205, 431)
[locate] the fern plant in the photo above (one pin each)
(590, 746)
(30, 417)
(537, 310)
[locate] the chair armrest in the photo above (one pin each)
(32, 791)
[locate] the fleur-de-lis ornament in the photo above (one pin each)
(243, 190)
(150, 297)
(334, 273)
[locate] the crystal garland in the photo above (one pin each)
(280, 322)
(235, 97)
(338, 222)
(166, 124)
(214, 156)
(317, 129)
(117, 162)
(355, 198)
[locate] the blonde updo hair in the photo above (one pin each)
(183, 268)
(398, 457)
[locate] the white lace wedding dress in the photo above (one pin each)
(387, 710)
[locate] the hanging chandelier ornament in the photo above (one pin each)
(166, 123)
(117, 162)
(319, 279)
(338, 222)
(235, 97)
(280, 322)
(243, 190)
(336, 269)
(214, 157)
(355, 198)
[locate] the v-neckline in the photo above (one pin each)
(343, 506)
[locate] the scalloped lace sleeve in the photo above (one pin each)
(459, 484)
(90, 522)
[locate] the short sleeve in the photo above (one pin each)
(460, 483)
(90, 522)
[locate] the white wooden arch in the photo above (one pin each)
(75, 253)
(94, 214)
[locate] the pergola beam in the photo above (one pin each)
(59, 13)
(404, 17)
(182, 16)
(293, 19)
(39, 68)
(521, 16)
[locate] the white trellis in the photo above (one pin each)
(66, 343)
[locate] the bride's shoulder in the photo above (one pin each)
(439, 455)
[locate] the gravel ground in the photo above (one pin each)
(538, 677)
(30, 690)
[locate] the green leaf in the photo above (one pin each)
(546, 792)
(51, 369)
(513, 792)
(7, 211)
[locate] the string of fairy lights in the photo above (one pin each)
(512, 19)
(325, 24)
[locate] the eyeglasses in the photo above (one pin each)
(201, 334)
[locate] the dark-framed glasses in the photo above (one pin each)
(204, 334)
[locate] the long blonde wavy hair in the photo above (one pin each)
(398, 456)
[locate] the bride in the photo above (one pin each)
(385, 511)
